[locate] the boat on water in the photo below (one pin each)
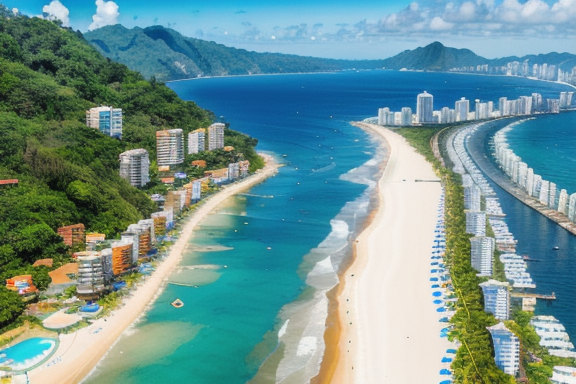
(555, 248)
(177, 303)
(528, 258)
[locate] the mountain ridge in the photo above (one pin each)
(166, 55)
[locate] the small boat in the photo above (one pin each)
(555, 248)
(528, 258)
(177, 303)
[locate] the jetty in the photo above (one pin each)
(552, 296)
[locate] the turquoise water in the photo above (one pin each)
(258, 294)
(27, 353)
(548, 145)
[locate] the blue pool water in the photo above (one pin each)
(27, 353)
(283, 241)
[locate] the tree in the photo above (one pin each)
(11, 306)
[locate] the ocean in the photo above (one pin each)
(255, 275)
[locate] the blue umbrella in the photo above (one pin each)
(437, 301)
(437, 294)
(446, 382)
(446, 360)
(441, 309)
(433, 270)
(434, 263)
(451, 351)
(444, 320)
(435, 286)
(445, 372)
(433, 279)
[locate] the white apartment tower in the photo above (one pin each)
(135, 167)
(406, 119)
(462, 108)
(496, 298)
(107, 120)
(482, 254)
(170, 147)
(425, 108)
(216, 136)
(506, 348)
(197, 141)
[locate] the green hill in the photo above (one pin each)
(67, 172)
(167, 55)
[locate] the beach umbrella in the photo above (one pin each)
(435, 286)
(441, 309)
(444, 320)
(433, 279)
(446, 360)
(453, 351)
(445, 372)
(446, 382)
(437, 301)
(437, 294)
(434, 263)
(433, 270)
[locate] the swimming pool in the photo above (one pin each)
(26, 354)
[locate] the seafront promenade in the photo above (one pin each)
(476, 148)
(79, 352)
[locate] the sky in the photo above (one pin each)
(343, 29)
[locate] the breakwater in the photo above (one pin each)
(483, 162)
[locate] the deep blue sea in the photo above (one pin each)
(256, 272)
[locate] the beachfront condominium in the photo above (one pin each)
(170, 147)
(107, 120)
(406, 119)
(216, 136)
(476, 223)
(135, 167)
(197, 141)
(425, 108)
(482, 254)
(563, 375)
(496, 298)
(506, 348)
(90, 275)
(462, 108)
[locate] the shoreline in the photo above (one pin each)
(372, 336)
(80, 352)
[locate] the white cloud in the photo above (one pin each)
(106, 14)
(467, 10)
(438, 24)
(56, 11)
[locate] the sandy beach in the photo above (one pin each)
(79, 352)
(388, 325)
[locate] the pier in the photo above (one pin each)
(533, 295)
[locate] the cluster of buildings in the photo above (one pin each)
(107, 120)
(544, 71)
(546, 192)
(425, 113)
(170, 143)
(497, 294)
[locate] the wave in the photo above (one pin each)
(302, 323)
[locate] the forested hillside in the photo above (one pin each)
(68, 173)
(167, 55)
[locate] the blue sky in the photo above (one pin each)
(364, 29)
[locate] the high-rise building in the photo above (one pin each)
(90, 275)
(135, 167)
(216, 136)
(476, 223)
(197, 141)
(563, 375)
(482, 254)
(563, 201)
(496, 298)
(572, 208)
(170, 147)
(472, 197)
(503, 106)
(462, 108)
(425, 108)
(506, 349)
(107, 120)
(406, 119)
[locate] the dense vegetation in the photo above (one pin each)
(68, 173)
(167, 55)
